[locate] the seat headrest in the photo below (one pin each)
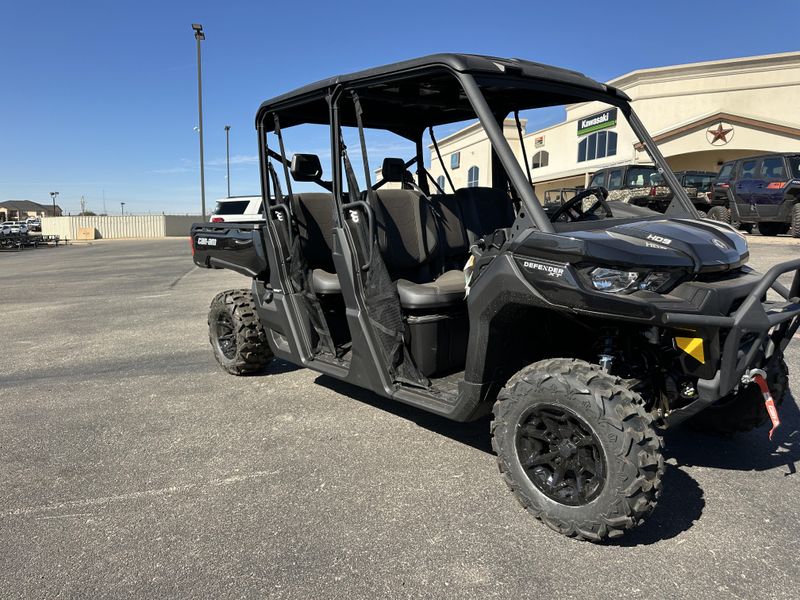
(393, 169)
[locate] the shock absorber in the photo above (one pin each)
(607, 344)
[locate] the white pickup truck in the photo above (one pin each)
(238, 209)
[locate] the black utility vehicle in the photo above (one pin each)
(585, 331)
(762, 190)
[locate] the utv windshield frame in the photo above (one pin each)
(401, 98)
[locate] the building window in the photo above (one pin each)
(440, 182)
(455, 160)
(472, 176)
(540, 159)
(597, 145)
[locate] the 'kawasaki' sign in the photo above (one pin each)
(603, 120)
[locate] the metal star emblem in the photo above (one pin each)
(719, 134)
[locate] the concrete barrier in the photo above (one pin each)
(118, 227)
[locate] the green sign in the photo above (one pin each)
(598, 121)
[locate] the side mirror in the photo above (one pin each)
(306, 167)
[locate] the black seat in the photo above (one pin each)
(454, 236)
(408, 238)
(484, 210)
(446, 290)
(313, 213)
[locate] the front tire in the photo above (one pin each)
(720, 213)
(577, 448)
(796, 221)
(236, 334)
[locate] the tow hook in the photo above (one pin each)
(759, 377)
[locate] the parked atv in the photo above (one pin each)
(586, 330)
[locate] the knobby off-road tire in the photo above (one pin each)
(594, 405)
(744, 410)
(720, 213)
(236, 334)
(796, 221)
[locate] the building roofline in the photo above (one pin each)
(692, 69)
(710, 119)
(472, 127)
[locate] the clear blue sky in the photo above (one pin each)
(102, 95)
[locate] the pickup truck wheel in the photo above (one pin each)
(719, 213)
(744, 410)
(796, 221)
(236, 334)
(577, 448)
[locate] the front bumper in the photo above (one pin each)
(755, 335)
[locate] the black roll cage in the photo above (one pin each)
(490, 119)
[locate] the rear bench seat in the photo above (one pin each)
(313, 214)
(408, 239)
(424, 257)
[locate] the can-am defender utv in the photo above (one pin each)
(586, 330)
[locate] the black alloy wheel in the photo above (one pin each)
(225, 335)
(561, 455)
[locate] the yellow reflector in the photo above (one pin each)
(693, 347)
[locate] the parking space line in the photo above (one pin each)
(103, 500)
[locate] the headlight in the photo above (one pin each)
(615, 281)
(612, 280)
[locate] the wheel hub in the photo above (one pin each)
(226, 336)
(561, 455)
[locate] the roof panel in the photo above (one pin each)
(312, 97)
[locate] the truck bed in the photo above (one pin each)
(235, 246)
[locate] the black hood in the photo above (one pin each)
(698, 245)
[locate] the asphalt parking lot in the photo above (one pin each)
(130, 464)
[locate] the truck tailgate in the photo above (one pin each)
(235, 246)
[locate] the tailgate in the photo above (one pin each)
(235, 246)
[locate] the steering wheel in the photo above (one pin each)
(573, 209)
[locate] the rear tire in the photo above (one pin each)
(577, 448)
(720, 213)
(743, 411)
(236, 334)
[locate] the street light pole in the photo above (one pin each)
(54, 195)
(199, 36)
(122, 204)
(228, 155)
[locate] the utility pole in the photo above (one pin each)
(228, 155)
(83, 206)
(199, 36)
(104, 202)
(54, 195)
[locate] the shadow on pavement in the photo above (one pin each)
(682, 500)
(752, 451)
(680, 505)
(278, 367)
(474, 434)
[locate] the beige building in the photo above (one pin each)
(700, 114)
(19, 210)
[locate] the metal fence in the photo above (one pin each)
(128, 226)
